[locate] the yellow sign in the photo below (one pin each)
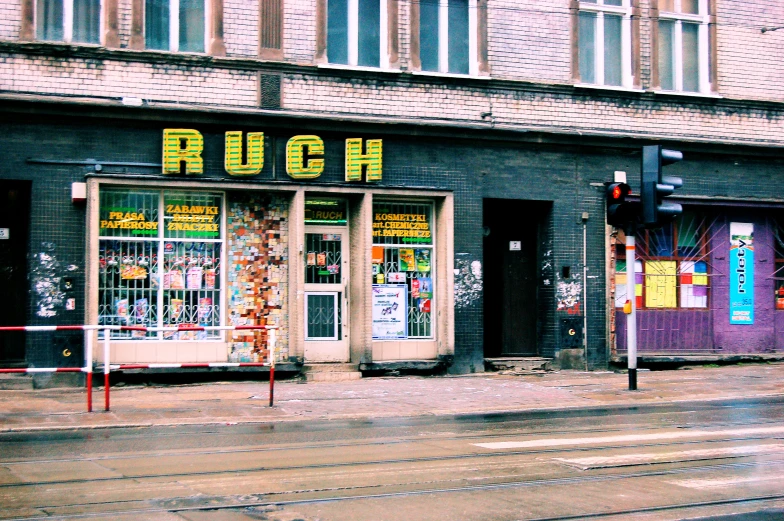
(185, 147)
(128, 221)
(182, 146)
(296, 164)
(408, 225)
(355, 159)
(232, 160)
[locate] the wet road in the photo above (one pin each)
(690, 460)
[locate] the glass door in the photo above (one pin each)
(326, 282)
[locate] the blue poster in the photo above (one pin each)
(741, 273)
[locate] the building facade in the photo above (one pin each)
(393, 184)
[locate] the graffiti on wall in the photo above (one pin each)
(46, 281)
(468, 281)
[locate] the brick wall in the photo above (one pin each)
(241, 27)
(10, 19)
(107, 79)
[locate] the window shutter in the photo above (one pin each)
(271, 28)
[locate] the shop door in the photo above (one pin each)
(510, 278)
(14, 227)
(326, 305)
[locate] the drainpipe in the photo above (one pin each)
(585, 288)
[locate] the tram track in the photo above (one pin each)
(390, 461)
(347, 494)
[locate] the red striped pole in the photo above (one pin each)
(106, 368)
(88, 365)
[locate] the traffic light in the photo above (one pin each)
(618, 209)
(654, 188)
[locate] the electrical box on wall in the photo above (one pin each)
(571, 332)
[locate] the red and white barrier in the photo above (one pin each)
(88, 355)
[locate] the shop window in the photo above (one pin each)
(403, 270)
(174, 25)
(604, 42)
(778, 274)
(160, 262)
(683, 45)
(672, 269)
(77, 21)
(354, 32)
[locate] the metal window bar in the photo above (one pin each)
(145, 280)
(420, 322)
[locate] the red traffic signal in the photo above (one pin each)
(619, 211)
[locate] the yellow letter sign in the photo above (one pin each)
(355, 159)
(181, 144)
(232, 158)
(295, 157)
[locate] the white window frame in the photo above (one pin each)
(443, 38)
(625, 11)
(68, 18)
(702, 19)
(174, 25)
(353, 34)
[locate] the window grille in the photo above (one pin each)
(160, 272)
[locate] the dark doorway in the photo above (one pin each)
(511, 230)
(14, 231)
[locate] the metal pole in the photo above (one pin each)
(272, 344)
(631, 319)
(106, 368)
(88, 365)
(585, 292)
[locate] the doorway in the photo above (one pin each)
(14, 231)
(511, 230)
(326, 303)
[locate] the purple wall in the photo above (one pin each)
(691, 331)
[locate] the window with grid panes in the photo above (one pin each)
(175, 25)
(160, 261)
(403, 253)
(77, 21)
(672, 269)
(683, 43)
(604, 42)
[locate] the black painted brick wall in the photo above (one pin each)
(563, 176)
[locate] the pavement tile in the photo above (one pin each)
(247, 402)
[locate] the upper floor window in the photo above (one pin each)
(357, 32)
(604, 42)
(174, 25)
(683, 45)
(447, 36)
(68, 20)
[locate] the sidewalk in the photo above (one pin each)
(247, 402)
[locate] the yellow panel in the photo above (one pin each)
(699, 280)
(660, 284)
(620, 278)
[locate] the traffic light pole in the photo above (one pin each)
(631, 318)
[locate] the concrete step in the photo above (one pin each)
(16, 382)
(331, 372)
(329, 367)
(522, 363)
(336, 376)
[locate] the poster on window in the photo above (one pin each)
(742, 273)
(389, 312)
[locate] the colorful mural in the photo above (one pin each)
(257, 274)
